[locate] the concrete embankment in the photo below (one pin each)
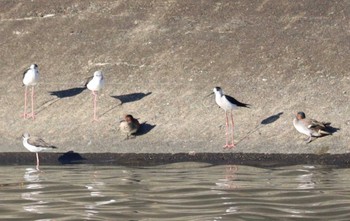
(160, 60)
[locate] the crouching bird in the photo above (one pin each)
(129, 125)
(310, 127)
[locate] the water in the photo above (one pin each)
(182, 191)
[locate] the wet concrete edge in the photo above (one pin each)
(150, 159)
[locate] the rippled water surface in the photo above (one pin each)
(182, 191)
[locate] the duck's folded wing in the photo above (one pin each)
(314, 124)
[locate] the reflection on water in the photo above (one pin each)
(305, 179)
(228, 182)
(33, 185)
(182, 191)
(95, 188)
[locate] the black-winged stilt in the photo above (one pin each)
(36, 145)
(227, 103)
(96, 84)
(30, 78)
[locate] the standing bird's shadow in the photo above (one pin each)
(68, 92)
(127, 98)
(271, 119)
(71, 92)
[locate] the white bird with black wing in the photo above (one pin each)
(36, 145)
(228, 103)
(30, 78)
(94, 85)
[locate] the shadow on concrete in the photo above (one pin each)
(127, 98)
(71, 157)
(271, 118)
(144, 128)
(68, 92)
(331, 129)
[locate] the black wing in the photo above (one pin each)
(24, 73)
(88, 80)
(236, 102)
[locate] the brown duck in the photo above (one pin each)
(129, 125)
(310, 127)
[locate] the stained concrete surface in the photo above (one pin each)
(161, 59)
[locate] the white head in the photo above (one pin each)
(98, 74)
(25, 135)
(33, 66)
(218, 90)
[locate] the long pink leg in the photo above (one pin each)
(95, 101)
(33, 116)
(25, 102)
(37, 161)
(232, 144)
(227, 127)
